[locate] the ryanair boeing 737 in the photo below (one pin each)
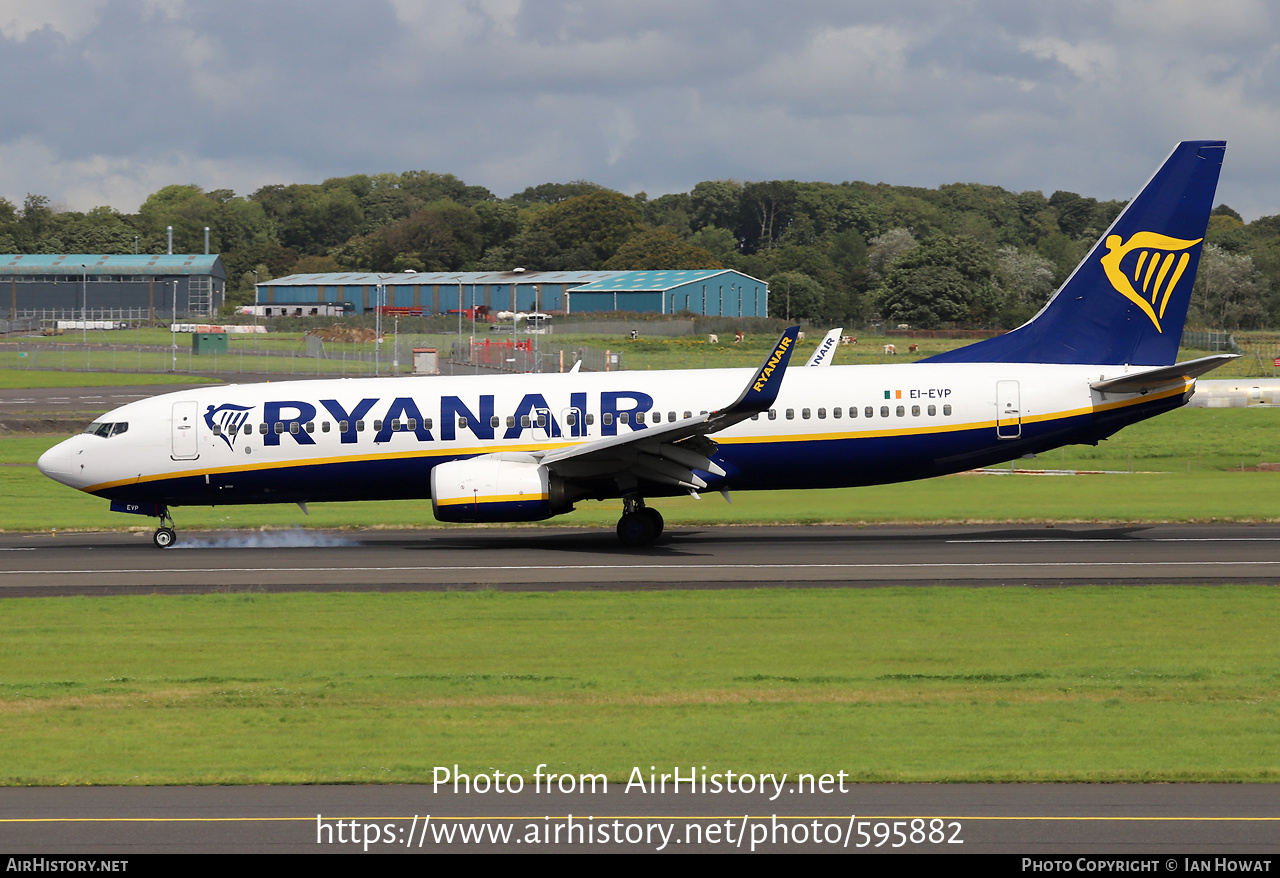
(1100, 355)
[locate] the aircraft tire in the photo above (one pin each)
(636, 529)
(164, 537)
(656, 517)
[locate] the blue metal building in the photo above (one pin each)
(74, 283)
(715, 292)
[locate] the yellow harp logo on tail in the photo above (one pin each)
(1160, 262)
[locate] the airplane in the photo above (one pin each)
(1100, 355)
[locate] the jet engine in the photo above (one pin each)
(497, 487)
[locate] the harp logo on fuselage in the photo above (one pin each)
(229, 419)
(1158, 263)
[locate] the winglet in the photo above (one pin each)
(763, 388)
(825, 352)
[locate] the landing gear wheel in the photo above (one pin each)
(656, 517)
(638, 528)
(164, 537)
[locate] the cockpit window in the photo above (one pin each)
(107, 430)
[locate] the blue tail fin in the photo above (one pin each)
(1127, 301)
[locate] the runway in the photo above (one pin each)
(686, 557)
(1049, 820)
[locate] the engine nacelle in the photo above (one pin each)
(496, 487)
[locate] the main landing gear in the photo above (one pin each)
(165, 536)
(639, 525)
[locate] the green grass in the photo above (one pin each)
(21, 379)
(1082, 684)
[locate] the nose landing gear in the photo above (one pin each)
(165, 536)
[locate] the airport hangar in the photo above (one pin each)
(711, 292)
(97, 286)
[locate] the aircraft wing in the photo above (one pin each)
(1141, 382)
(668, 454)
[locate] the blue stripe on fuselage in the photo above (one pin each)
(751, 465)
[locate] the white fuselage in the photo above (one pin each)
(374, 439)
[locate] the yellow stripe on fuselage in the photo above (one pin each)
(452, 453)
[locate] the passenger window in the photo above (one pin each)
(884, 411)
(525, 423)
(377, 425)
(426, 423)
(624, 418)
(835, 412)
(511, 420)
(756, 416)
(262, 429)
(395, 425)
(933, 410)
(671, 417)
(542, 420)
(279, 427)
(494, 421)
(217, 430)
(591, 419)
(413, 423)
(462, 423)
(870, 412)
(804, 413)
(791, 414)
(294, 428)
(822, 414)
(343, 426)
(359, 426)
(571, 419)
(901, 411)
(607, 418)
(640, 418)
(248, 429)
(946, 410)
(773, 414)
(915, 411)
(324, 427)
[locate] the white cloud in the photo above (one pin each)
(121, 182)
(655, 95)
(73, 19)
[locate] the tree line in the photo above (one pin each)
(963, 254)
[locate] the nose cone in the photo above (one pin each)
(58, 463)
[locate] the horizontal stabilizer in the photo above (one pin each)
(1141, 382)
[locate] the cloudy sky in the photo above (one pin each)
(106, 101)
